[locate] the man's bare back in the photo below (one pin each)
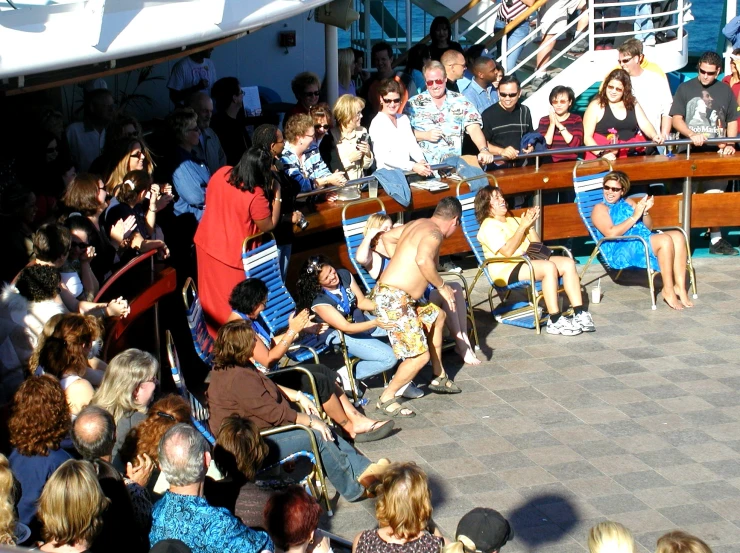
(411, 246)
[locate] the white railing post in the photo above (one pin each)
(456, 30)
(591, 26)
(680, 21)
(505, 53)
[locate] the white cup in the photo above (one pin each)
(596, 294)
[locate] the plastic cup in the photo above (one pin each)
(372, 189)
(596, 294)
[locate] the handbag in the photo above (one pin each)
(537, 250)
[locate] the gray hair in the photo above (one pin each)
(94, 433)
(181, 452)
(434, 64)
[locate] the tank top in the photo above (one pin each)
(371, 542)
(626, 128)
(66, 381)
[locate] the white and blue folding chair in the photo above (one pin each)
(202, 341)
(589, 192)
(525, 314)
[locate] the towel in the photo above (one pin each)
(395, 185)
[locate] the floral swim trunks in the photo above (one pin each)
(410, 319)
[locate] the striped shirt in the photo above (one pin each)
(511, 8)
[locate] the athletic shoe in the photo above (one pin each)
(564, 326)
(537, 82)
(722, 247)
(585, 321)
(410, 391)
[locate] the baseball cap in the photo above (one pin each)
(487, 529)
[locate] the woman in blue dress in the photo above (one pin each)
(620, 216)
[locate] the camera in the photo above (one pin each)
(365, 138)
(302, 223)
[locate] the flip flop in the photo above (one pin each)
(387, 405)
(378, 431)
(444, 385)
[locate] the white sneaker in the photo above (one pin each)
(585, 321)
(410, 391)
(564, 326)
(346, 386)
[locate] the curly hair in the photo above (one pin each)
(252, 170)
(291, 515)
(144, 438)
(296, 126)
(38, 282)
(64, 351)
(240, 449)
(82, 194)
(482, 202)
(404, 502)
(234, 345)
(40, 418)
(307, 285)
(247, 295)
(619, 75)
(7, 502)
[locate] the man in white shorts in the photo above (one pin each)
(553, 18)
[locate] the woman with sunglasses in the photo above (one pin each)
(322, 123)
(394, 143)
(346, 147)
(615, 117)
(336, 299)
(502, 235)
(124, 156)
(306, 88)
(622, 216)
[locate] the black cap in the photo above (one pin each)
(170, 546)
(486, 528)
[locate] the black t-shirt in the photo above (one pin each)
(503, 128)
(704, 108)
(436, 52)
(346, 305)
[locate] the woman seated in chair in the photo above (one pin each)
(372, 254)
(502, 235)
(620, 216)
(237, 386)
(248, 300)
(338, 301)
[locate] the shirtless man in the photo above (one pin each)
(413, 266)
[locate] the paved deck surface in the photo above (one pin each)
(638, 422)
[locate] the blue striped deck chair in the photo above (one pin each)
(198, 412)
(202, 340)
(354, 233)
(525, 314)
(589, 192)
(262, 263)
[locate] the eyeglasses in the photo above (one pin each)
(626, 60)
(707, 72)
(324, 127)
(560, 101)
(614, 88)
(508, 94)
(612, 189)
(311, 93)
(80, 245)
(392, 100)
(101, 187)
(432, 82)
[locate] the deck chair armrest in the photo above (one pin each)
(682, 231)
(297, 368)
(454, 276)
(517, 259)
(563, 249)
(296, 347)
(291, 427)
(621, 239)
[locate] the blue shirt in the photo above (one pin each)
(452, 118)
(32, 473)
(313, 166)
(190, 179)
(204, 528)
(481, 98)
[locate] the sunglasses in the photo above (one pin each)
(432, 82)
(707, 72)
(313, 93)
(391, 100)
(314, 266)
(614, 88)
(80, 245)
(508, 94)
(612, 189)
(139, 154)
(324, 127)
(627, 60)
(565, 101)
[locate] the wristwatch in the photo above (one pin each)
(484, 149)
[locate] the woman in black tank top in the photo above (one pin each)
(615, 117)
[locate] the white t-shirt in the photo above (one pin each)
(395, 147)
(654, 96)
(186, 73)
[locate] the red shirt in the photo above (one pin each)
(735, 87)
(574, 124)
(229, 218)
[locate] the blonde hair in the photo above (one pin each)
(7, 503)
(376, 220)
(345, 109)
(125, 373)
(678, 541)
(610, 537)
(72, 504)
(346, 62)
(404, 501)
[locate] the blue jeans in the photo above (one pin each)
(343, 464)
(644, 24)
(512, 38)
(376, 356)
(284, 251)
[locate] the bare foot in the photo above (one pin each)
(673, 302)
(683, 296)
(468, 357)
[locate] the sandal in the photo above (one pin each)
(443, 385)
(378, 431)
(388, 408)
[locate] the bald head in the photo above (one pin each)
(203, 106)
(454, 63)
(183, 455)
(94, 433)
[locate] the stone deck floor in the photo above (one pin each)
(638, 422)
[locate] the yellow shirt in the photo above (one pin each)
(493, 235)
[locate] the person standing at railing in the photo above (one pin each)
(703, 108)
(604, 27)
(553, 17)
(441, 32)
(515, 39)
(440, 118)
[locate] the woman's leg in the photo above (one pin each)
(662, 245)
(571, 281)
(375, 355)
(342, 463)
(679, 266)
(457, 322)
(547, 273)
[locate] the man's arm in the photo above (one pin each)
(427, 255)
(390, 239)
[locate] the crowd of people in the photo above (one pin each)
(98, 462)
